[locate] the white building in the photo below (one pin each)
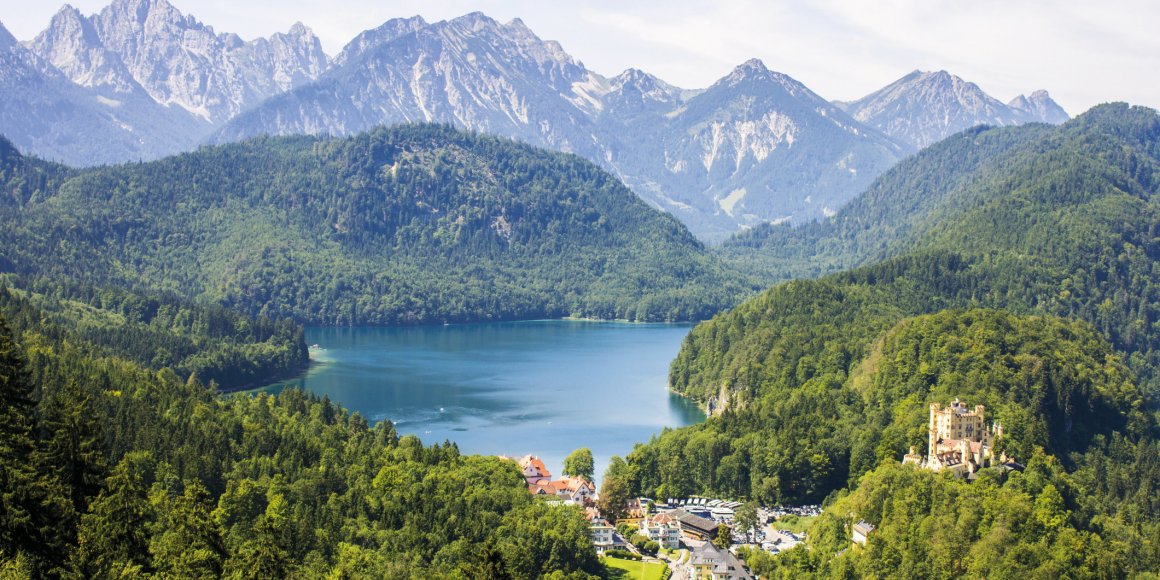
(663, 529)
(602, 533)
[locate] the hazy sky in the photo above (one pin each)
(1083, 51)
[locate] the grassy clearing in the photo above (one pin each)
(634, 570)
(795, 524)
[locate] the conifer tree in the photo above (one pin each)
(32, 503)
(74, 447)
(189, 543)
(114, 537)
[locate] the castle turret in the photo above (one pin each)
(932, 444)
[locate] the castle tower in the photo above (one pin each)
(935, 412)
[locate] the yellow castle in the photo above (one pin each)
(960, 440)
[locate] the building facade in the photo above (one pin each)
(959, 439)
(663, 529)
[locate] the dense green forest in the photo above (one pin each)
(412, 224)
(1019, 272)
(1066, 225)
(113, 467)
(215, 345)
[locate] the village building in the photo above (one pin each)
(533, 469)
(634, 512)
(695, 527)
(663, 529)
(602, 533)
(959, 440)
(710, 562)
(575, 490)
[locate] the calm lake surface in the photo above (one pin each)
(543, 387)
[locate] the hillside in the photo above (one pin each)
(117, 467)
(416, 224)
(1026, 173)
(1031, 219)
(216, 346)
(817, 382)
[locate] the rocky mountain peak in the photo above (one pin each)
(750, 69)
(368, 40)
(516, 25)
(150, 47)
(753, 72)
(634, 90)
(474, 22)
(6, 38)
(67, 13)
(300, 30)
(924, 107)
(944, 83)
(73, 45)
(153, 15)
(1039, 107)
(634, 78)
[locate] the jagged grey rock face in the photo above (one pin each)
(146, 81)
(44, 113)
(759, 146)
(922, 108)
(1039, 107)
(471, 71)
(177, 60)
(756, 147)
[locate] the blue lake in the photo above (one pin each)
(544, 387)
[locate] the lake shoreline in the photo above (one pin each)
(544, 386)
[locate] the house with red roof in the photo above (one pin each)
(533, 469)
(570, 489)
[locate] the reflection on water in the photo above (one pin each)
(544, 387)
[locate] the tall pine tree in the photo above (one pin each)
(33, 504)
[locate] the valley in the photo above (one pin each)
(267, 312)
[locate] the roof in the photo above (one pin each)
(706, 551)
(633, 508)
(693, 521)
(722, 561)
(662, 519)
(976, 446)
(576, 483)
(599, 522)
(950, 458)
(533, 462)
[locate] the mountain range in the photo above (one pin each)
(140, 80)
(923, 108)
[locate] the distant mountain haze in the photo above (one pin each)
(140, 81)
(923, 108)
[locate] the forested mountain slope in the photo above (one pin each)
(415, 224)
(914, 204)
(216, 346)
(112, 467)
(817, 382)
(1061, 220)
